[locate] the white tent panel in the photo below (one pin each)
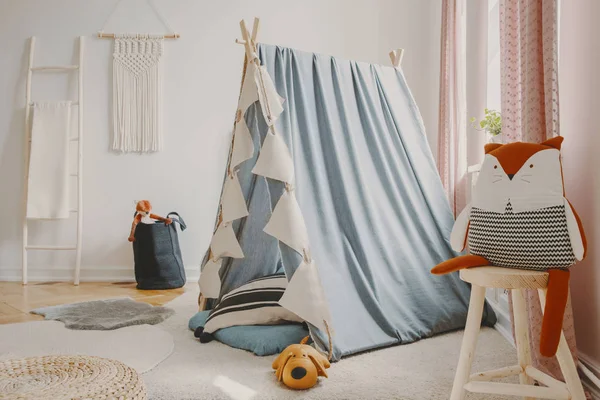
(210, 282)
(274, 160)
(233, 203)
(287, 223)
(305, 296)
(224, 243)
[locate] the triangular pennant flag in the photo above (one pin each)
(274, 160)
(249, 92)
(210, 281)
(233, 203)
(305, 296)
(224, 243)
(271, 102)
(243, 146)
(287, 223)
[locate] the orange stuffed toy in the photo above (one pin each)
(299, 366)
(519, 218)
(143, 214)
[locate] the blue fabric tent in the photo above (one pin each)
(366, 182)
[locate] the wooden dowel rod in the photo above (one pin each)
(255, 27)
(496, 373)
(544, 378)
(112, 35)
(246, 37)
(513, 389)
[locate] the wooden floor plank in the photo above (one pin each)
(17, 300)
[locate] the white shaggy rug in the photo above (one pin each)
(418, 371)
(141, 347)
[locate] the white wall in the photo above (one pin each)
(579, 107)
(201, 83)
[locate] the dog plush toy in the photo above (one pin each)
(299, 366)
(143, 214)
(519, 218)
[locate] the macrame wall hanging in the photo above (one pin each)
(137, 88)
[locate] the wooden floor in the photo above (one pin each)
(17, 300)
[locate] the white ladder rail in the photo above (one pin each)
(26, 149)
(79, 165)
(79, 174)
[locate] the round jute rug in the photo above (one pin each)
(69, 377)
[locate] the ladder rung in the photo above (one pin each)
(72, 174)
(55, 68)
(73, 103)
(51, 247)
(73, 139)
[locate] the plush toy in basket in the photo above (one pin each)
(300, 365)
(519, 218)
(143, 214)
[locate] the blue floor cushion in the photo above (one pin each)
(262, 340)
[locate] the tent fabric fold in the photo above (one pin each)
(355, 217)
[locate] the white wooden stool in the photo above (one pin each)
(517, 280)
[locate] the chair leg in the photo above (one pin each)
(522, 335)
(469, 342)
(565, 360)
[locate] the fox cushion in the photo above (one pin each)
(519, 218)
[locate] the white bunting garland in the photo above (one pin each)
(274, 160)
(210, 281)
(305, 297)
(287, 223)
(225, 244)
(233, 203)
(270, 101)
(243, 146)
(249, 93)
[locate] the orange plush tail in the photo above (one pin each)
(457, 263)
(556, 301)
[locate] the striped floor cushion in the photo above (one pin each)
(255, 303)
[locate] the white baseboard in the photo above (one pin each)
(88, 274)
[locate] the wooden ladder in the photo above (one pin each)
(78, 174)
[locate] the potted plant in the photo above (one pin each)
(491, 124)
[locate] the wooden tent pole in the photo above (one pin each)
(396, 57)
(201, 299)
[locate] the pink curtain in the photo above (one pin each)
(530, 113)
(452, 140)
(529, 68)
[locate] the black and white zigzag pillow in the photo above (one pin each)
(255, 303)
